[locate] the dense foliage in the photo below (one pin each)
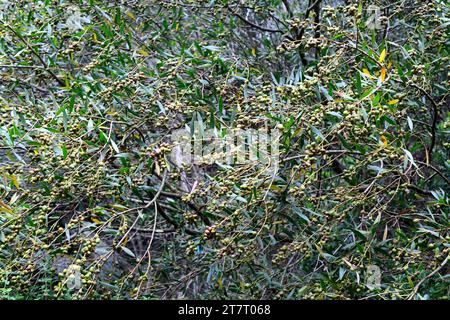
(90, 92)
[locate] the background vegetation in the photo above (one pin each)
(92, 90)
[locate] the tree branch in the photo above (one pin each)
(434, 120)
(44, 64)
(253, 24)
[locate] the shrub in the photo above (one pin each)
(94, 205)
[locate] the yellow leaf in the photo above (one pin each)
(131, 15)
(143, 52)
(298, 132)
(254, 52)
(5, 208)
(367, 73)
(382, 56)
(67, 83)
(383, 74)
(177, 27)
(389, 64)
(125, 241)
(395, 101)
(94, 37)
(411, 283)
(15, 181)
(95, 220)
(384, 140)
